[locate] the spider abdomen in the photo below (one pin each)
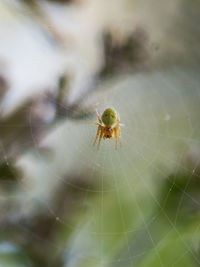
(109, 117)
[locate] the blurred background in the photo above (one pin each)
(62, 201)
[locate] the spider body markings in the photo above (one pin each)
(108, 126)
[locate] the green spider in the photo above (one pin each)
(108, 126)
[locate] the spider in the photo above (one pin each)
(108, 126)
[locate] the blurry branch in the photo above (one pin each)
(33, 8)
(15, 130)
(130, 55)
(9, 176)
(32, 120)
(73, 111)
(3, 86)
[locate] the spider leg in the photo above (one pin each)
(118, 120)
(97, 135)
(119, 134)
(101, 134)
(98, 117)
(117, 127)
(94, 123)
(115, 135)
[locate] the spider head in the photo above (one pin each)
(108, 133)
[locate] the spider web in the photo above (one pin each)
(160, 119)
(125, 222)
